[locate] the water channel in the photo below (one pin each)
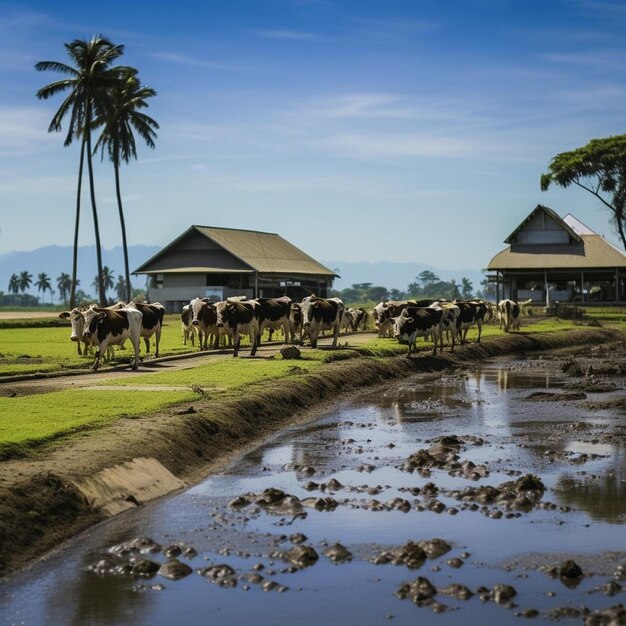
(575, 444)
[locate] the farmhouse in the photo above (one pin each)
(221, 262)
(575, 263)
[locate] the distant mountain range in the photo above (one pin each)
(53, 260)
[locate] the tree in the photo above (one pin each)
(25, 281)
(88, 83)
(453, 290)
(64, 285)
(121, 289)
(599, 168)
(106, 279)
(43, 283)
(426, 278)
(466, 287)
(121, 116)
(14, 284)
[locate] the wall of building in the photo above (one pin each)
(542, 229)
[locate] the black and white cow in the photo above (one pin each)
(239, 318)
(359, 318)
(416, 322)
(470, 313)
(113, 327)
(509, 313)
(347, 320)
(274, 314)
(448, 325)
(151, 324)
(204, 320)
(320, 314)
(77, 321)
(388, 311)
(188, 329)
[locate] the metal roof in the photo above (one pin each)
(266, 253)
(594, 251)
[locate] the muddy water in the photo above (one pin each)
(506, 423)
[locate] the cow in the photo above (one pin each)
(295, 322)
(239, 318)
(77, 321)
(508, 312)
(321, 314)
(112, 327)
(471, 313)
(392, 309)
(151, 323)
(204, 319)
(451, 313)
(359, 316)
(189, 330)
(347, 320)
(416, 322)
(273, 314)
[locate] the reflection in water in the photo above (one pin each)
(603, 497)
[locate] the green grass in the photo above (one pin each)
(31, 420)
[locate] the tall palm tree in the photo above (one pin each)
(120, 288)
(43, 283)
(106, 279)
(14, 284)
(64, 285)
(126, 97)
(454, 290)
(25, 280)
(466, 287)
(88, 82)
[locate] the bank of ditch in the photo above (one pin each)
(63, 489)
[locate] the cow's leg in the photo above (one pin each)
(435, 340)
(78, 347)
(146, 340)
(237, 340)
(286, 330)
(157, 339)
(135, 340)
(335, 335)
(255, 338)
(479, 323)
(101, 350)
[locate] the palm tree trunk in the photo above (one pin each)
(122, 224)
(76, 224)
(101, 292)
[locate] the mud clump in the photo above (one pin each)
(613, 616)
(591, 386)
(223, 575)
(290, 353)
(271, 499)
(301, 556)
(338, 553)
(502, 594)
(143, 545)
(548, 396)
(568, 572)
(413, 554)
(174, 570)
(420, 591)
(457, 591)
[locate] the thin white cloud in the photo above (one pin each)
(595, 59)
(24, 130)
(293, 35)
(183, 59)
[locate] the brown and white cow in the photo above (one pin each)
(295, 323)
(388, 311)
(416, 322)
(151, 323)
(347, 320)
(509, 313)
(113, 327)
(274, 314)
(321, 314)
(77, 321)
(240, 318)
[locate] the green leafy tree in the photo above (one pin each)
(87, 84)
(121, 289)
(43, 283)
(14, 284)
(25, 281)
(599, 168)
(396, 294)
(121, 118)
(64, 285)
(106, 279)
(453, 290)
(466, 287)
(426, 278)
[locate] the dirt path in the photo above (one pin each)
(26, 315)
(154, 366)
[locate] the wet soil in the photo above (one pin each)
(491, 508)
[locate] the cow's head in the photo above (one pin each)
(308, 307)
(223, 309)
(195, 306)
(78, 323)
(93, 316)
(401, 322)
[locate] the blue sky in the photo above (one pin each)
(359, 130)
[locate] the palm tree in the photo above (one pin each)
(87, 83)
(120, 288)
(64, 285)
(466, 287)
(454, 290)
(127, 97)
(14, 284)
(106, 279)
(25, 280)
(43, 283)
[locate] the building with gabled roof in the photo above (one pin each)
(219, 263)
(545, 249)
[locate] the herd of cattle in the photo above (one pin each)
(103, 327)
